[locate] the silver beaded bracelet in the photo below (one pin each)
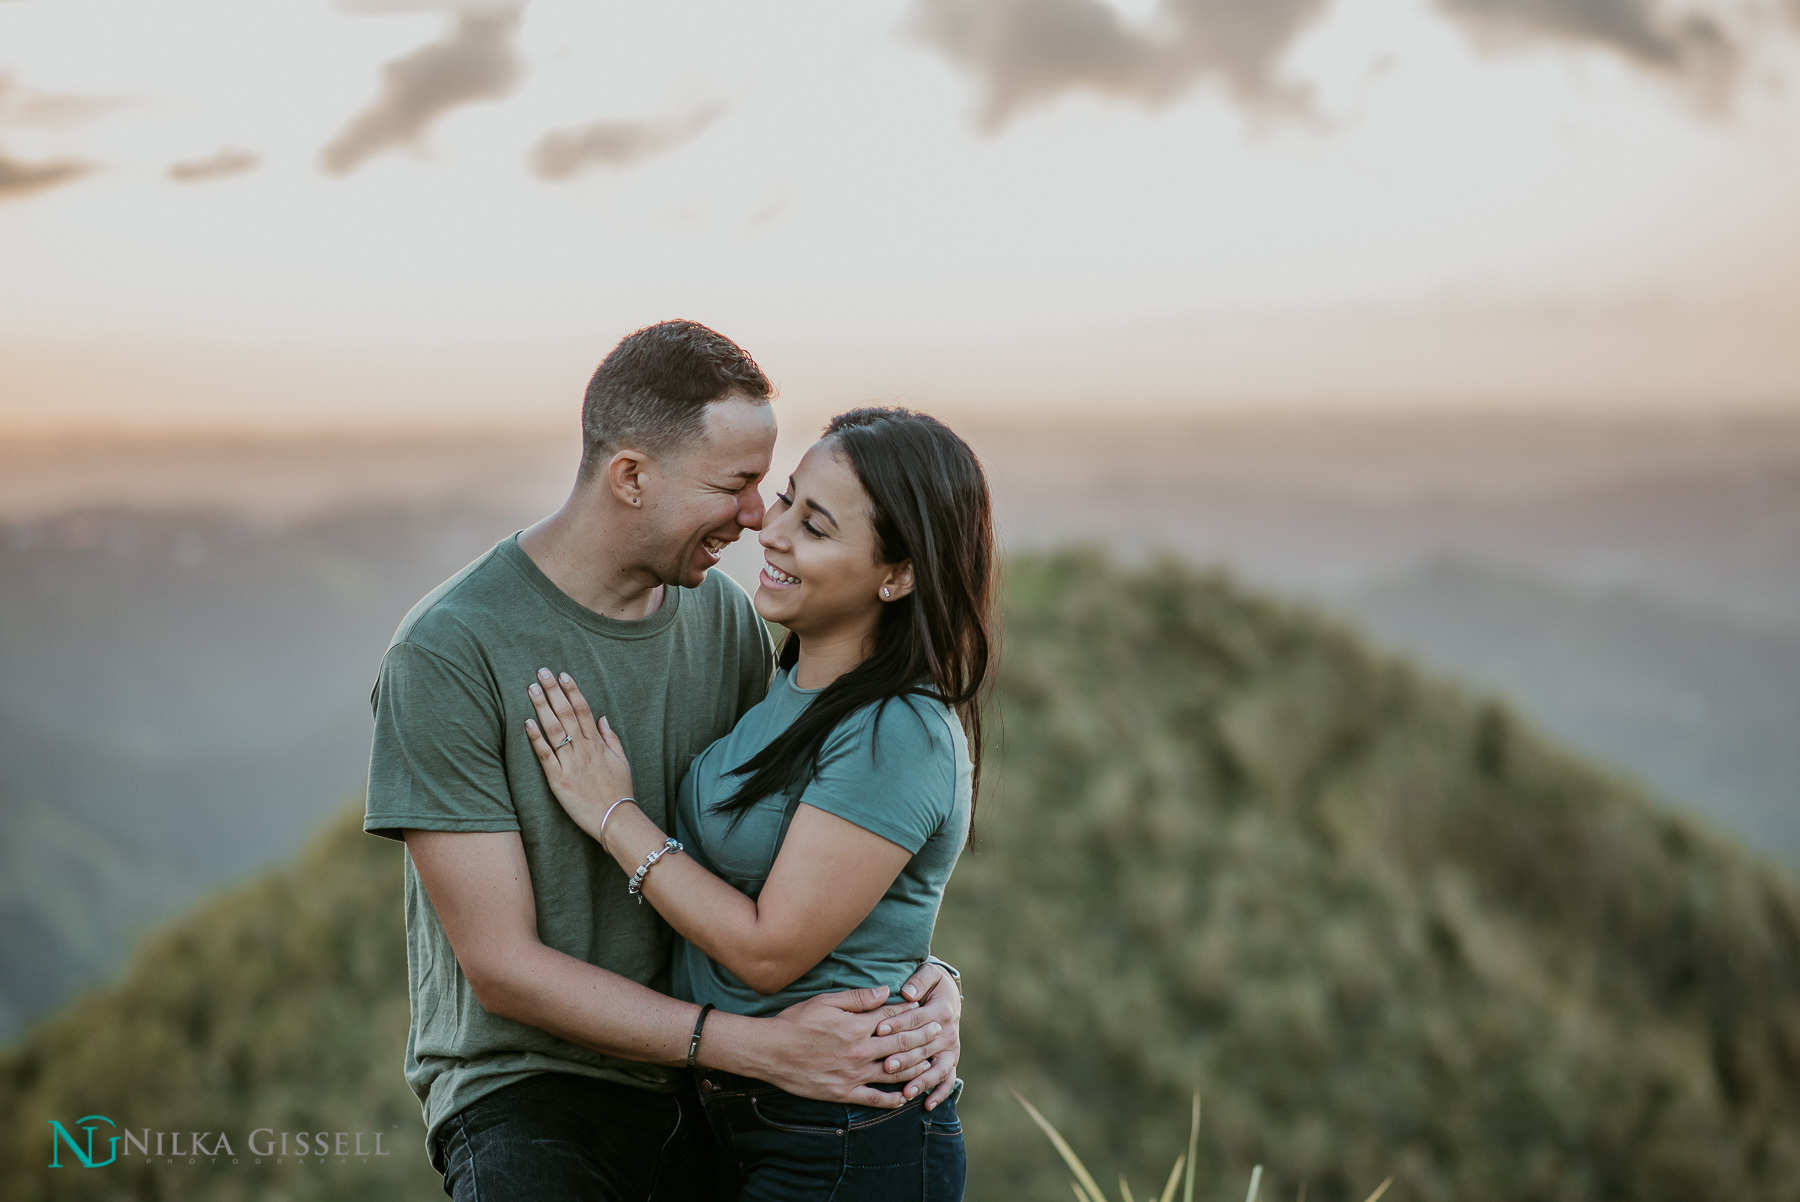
(636, 887)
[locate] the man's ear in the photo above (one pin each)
(899, 582)
(625, 473)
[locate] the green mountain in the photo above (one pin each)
(1379, 924)
(278, 1004)
(1221, 844)
(161, 616)
(72, 898)
(1697, 705)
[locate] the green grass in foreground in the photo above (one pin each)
(1088, 1190)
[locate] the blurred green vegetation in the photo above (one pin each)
(1382, 927)
(281, 1003)
(1221, 844)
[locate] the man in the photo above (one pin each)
(544, 1048)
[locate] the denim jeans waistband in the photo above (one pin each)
(712, 1082)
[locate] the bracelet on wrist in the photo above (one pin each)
(609, 809)
(636, 885)
(694, 1043)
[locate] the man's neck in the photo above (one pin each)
(587, 559)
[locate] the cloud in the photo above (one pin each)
(22, 179)
(1692, 47)
(1028, 52)
(476, 60)
(36, 108)
(492, 8)
(20, 107)
(565, 152)
(218, 166)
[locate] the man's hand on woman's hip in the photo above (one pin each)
(838, 1046)
(939, 994)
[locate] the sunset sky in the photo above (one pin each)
(295, 213)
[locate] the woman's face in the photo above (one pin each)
(821, 576)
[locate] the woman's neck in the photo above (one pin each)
(824, 658)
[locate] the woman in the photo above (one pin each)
(813, 842)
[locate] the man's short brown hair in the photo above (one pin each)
(651, 391)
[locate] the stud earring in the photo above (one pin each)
(884, 592)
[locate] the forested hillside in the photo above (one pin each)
(1381, 926)
(163, 619)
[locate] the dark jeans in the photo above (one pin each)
(558, 1137)
(789, 1149)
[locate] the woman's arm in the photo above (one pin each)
(826, 879)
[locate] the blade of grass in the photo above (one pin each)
(1381, 1189)
(1063, 1149)
(1168, 1194)
(1083, 1194)
(1187, 1191)
(1125, 1189)
(1255, 1183)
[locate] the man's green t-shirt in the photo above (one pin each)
(451, 754)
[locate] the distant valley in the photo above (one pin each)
(188, 632)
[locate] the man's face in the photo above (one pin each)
(706, 495)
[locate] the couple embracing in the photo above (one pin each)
(669, 891)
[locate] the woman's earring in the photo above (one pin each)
(884, 592)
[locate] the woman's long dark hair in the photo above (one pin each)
(929, 500)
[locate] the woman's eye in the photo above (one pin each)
(812, 529)
(783, 499)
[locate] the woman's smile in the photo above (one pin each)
(774, 577)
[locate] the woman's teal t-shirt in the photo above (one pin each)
(906, 777)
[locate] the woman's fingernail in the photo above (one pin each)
(567, 679)
(885, 1029)
(544, 672)
(536, 692)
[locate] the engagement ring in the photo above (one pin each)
(567, 739)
